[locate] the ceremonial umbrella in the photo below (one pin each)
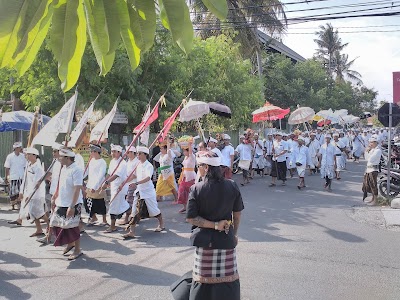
(349, 119)
(328, 115)
(193, 110)
(323, 122)
(301, 115)
(19, 120)
(269, 112)
(220, 109)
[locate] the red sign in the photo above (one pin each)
(396, 87)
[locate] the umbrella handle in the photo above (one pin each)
(201, 130)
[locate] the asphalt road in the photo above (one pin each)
(293, 245)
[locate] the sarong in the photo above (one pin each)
(279, 170)
(130, 196)
(165, 187)
(258, 162)
(139, 213)
(13, 192)
(183, 192)
(327, 171)
(301, 171)
(65, 229)
(95, 206)
(370, 184)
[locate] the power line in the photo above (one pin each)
(341, 27)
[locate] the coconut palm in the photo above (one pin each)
(342, 68)
(244, 16)
(328, 43)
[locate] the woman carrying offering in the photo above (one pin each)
(212, 205)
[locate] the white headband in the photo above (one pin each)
(116, 148)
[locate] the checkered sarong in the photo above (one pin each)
(215, 265)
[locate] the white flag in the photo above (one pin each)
(144, 137)
(100, 131)
(80, 127)
(60, 123)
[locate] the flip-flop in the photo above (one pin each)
(36, 234)
(159, 229)
(75, 256)
(14, 223)
(110, 230)
(66, 250)
(104, 224)
(127, 237)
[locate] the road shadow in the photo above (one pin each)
(12, 258)
(342, 235)
(128, 273)
(12, 291)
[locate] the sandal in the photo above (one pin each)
(127, 237)
(272, 184)
(104, 224)
(75, 256)
(14, 223)
(109, 230)
(159, 229)
(36, 234)
(66, 250)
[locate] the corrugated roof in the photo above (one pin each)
(279, 46)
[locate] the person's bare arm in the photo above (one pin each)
(203, 223)
(7, 174)
(236, 221)
(71, 209)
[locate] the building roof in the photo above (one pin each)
(277, 46)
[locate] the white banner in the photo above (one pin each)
(60, 123)
(100, 131)
(144, 137)
(80, 127)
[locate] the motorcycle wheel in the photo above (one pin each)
(382, 187)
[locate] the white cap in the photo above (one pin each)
(57, 146)
(204, 157)
(211, 139)
(31, 150)
(372, 139)
(116, 148)
(336, 134)
(226, 137)
(131, 149)
(328, 136)
(241, 137)
(66, 152)
(17, 145)
(278, 133)
(143, 149)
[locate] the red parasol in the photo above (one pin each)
(269, 112)
(324, 122)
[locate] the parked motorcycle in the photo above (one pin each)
(394, 183)
(236, 168)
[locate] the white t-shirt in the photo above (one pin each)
(146, 190)
(80, 161)
(130, 166)
(16, 164)
(258, 148)
(279, 147)
(70, 177)
(226, 155)
(216, 151)
(97, 171)
(244, 151)
(55, 174)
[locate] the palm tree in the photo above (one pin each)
(245, 17)
(342, 68)
(328, 43)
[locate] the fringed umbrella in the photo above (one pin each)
(301, 115)
(220, 109)
(193, 110)
(269, 112)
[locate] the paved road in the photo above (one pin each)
(294, 244)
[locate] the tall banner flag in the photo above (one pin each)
(151, 118)
(81, 126)
(144, 137)
(396, 87)
(60, 123)
(99, 133)
(168, 123)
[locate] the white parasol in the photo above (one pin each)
(328, 115)
(193, 110)
(301, 115)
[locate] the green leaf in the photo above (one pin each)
(38, 10)
(218, 7)
(30, 54)
(127, 36)
(12, 14)
(68, 40)
(175, 17)
(142, 14)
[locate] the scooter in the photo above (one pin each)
(394, 183)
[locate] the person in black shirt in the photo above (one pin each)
(214, 209)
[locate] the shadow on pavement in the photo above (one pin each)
(12, 258)
(129, 273)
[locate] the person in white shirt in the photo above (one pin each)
(358, 146)
(131, 166)
(144, 194)
(228, 154)
(258, 158)
(35, 208)
(55, 171)
(15, 166)
(373, 156)
(245, 155)
(67, 204)
(212, 145)
(300, 159)
(268, 146)
(327, 162)
(115, 177)
(279, 168)
(96, 172)
(313, 149)
(339, 148)
(166, 184)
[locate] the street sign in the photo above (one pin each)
(120, 118)
(383, 114)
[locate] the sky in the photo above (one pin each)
(377, 53)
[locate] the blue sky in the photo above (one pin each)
(378, 52)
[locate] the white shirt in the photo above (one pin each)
(130, 166)
(226, 155)
(279, 147)
(300, 155)
(216, 151)
(328, 154)
(373, 158)
(16, 164)
(146, 190)
(244, 151)
(97, 171)
(120, 172)
(55, 174)
(70, 177)
(258, 148)
(80, 161)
